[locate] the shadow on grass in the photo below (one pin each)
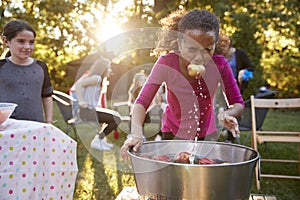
(102, 174)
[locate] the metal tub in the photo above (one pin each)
(167, 180)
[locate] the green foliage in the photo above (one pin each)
(278, 25)
(67, 30)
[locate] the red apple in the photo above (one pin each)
(182, 157)
(145, 156)
(164, 158)
(196, 70)
(206, 161)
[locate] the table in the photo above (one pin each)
(37, 161)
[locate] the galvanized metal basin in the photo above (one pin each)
(167, 180)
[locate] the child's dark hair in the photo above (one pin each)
(180, 21)
(13, 27)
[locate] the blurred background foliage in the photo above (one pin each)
(69, 30)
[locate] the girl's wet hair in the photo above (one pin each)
(199, 19)
(178, 22)
(13, 27)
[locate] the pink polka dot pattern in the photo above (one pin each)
(37, 161)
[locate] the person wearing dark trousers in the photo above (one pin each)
(89, 91)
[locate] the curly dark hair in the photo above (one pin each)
(180, 21)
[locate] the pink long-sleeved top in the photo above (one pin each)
(189, 112)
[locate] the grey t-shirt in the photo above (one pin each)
(25, 85)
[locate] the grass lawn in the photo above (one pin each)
(103, 174)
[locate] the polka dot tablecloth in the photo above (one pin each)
(37, 161)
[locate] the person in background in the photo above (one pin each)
(138, 81)
(89, 90)
(162, 102)
(25, 80)
(189, 113)
(137, 84)
(241, 66)
(72, 93)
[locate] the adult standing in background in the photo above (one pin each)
(24, 80)
(241, 66)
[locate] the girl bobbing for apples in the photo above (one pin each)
(189, 113)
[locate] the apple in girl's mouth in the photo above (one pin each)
(196, 70)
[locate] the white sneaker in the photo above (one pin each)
(107, 143)
(99, 144)
(157, 138)
(129, 135)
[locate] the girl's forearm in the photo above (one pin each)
(235, 110)
(48, 109)
(137, 120)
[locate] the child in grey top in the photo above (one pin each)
(23, 79)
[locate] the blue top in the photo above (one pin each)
(232, 63)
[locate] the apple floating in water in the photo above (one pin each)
(182, 157)
(161, 158)
(196, 70)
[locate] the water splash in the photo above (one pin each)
(192, 154)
